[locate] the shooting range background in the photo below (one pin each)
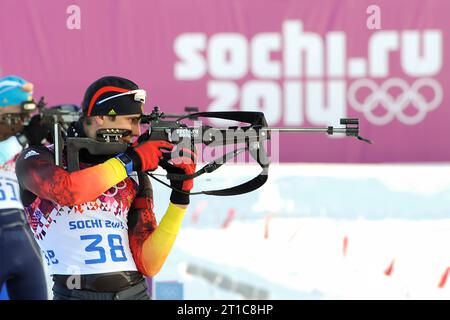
(345, 219)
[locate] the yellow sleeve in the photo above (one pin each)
(157, 246)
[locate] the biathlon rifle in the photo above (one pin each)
(54, 119)
(171, 128)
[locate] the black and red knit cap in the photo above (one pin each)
(106, 87)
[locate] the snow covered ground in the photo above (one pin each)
(318, 231)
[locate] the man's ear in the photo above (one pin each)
(99, 120)
(28, 87)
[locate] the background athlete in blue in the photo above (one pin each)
(20, 258)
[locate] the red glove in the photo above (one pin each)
(186, 162)
(183, 164)
(146, 155)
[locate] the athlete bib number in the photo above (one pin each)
(99, 247)
(8, 192)
(50, 257)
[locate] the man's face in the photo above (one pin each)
(129, 122)
(10, 109)
(10, 126)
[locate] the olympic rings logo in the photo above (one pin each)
(395, 107)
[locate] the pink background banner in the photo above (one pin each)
(303, 63)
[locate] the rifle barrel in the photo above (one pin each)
(281, 129)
